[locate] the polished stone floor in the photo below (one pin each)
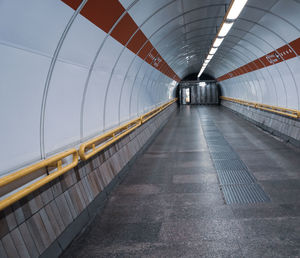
(170, 203)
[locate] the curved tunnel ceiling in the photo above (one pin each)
(71, 69)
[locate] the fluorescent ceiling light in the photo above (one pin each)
(218, 42)
(213, 50)
(201, 71)
(225, 29)
(202, 84)
(236, 9)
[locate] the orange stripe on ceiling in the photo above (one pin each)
(145, 50)
(296, 45)
(258, 64)
(73, 3)
(137, 41)
(124, 29)
(281, 54)
(102, 13)
(286, 52)
(252, 66)
(105, 13)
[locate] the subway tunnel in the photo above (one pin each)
(149, 128)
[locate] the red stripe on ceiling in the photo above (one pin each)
(137, 41)
(73, 4)
(145, 50)
(281, 54)
(104, 14)
(296, 45)
(258, 64)
(124, 29)
(286, 52)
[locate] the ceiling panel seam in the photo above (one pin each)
(49, 76)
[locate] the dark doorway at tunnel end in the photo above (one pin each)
(193, 90)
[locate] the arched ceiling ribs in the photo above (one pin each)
(186, 13)
(221, 51)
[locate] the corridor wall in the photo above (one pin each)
(70, 70)
(263, 65)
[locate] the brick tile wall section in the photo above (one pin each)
(45, 222)
(281, 126)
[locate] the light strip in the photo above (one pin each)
(213, 50)
(235, 8)
(225, 29)
(218, 42)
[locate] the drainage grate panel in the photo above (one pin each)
(214, 137)
(235, 177)
(229, 165)
(237, 183)
(227, 155)
(219, 148)
(216, 141)
(251, 193)
(209, 129)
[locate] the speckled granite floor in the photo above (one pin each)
(170, 203)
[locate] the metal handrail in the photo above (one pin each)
(294, 113)
(92, 147)
(56, 165)
(149, 115)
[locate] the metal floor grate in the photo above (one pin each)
(235, 177)
(226, 155)
(247, 193)
(207, 129)
(219, 148)
(214, 133)
(237, 183)
(232, 164)
(216, 140)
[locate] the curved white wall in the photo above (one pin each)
(278, 26)
(64, 80)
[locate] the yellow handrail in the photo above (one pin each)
(92, 147)
(55, 162)
(155, 111)
(274, 109)
(150, 114)
(86, 150)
